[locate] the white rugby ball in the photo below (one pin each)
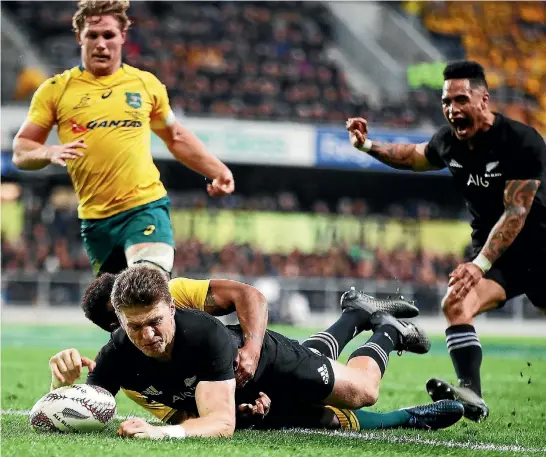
(75, 408)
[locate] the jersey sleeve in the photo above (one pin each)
(528, 159)
(162, 115)
(159, 410)
(42, 111)
(432, 151)
(106, 373)
(189, 293)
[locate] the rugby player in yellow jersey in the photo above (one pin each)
(105, 112)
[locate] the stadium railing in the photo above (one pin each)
(291, 299)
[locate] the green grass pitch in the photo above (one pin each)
(513, 376)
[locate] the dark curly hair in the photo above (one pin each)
(95, 302)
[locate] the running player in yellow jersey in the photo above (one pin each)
(105, 111)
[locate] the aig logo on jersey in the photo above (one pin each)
(481, 181)
(477, 180)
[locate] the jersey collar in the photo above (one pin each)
(105, 80)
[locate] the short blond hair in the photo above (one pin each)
(90, 8)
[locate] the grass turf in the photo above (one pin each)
(513, 376)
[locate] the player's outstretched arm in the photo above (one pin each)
(191, 151)
(67, 366)
(30, 153)
(225, 296)
(400, 156)
(216, 405)
(518, 199)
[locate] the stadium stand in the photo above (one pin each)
(251, 60)
(507, 38)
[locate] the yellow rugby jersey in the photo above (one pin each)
(189, 293)
(159, 410)
(162, 412)
(114, 115)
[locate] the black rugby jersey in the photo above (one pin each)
(203, 350)
(509, 150)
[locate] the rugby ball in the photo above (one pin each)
(75, 408)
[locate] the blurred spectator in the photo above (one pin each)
(28, 80)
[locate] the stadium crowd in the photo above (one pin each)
(49, 240)
(507, 38)
(250, 60)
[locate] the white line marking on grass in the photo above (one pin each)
(372, 436)
(385, 437)
(23, 412)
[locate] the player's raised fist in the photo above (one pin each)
(358, 130)
(222, 185)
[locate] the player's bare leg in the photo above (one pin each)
(357, 383)
(464, 347)
(155, 255)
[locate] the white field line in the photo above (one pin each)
(376, 436)
(420, 440)
(24, 412)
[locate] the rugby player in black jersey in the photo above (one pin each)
(500, 166)
(185, 359)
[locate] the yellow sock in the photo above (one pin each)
(347, 419)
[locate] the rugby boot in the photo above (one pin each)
(475, 408)
(435, 416)
(358, 300)
(411, 338)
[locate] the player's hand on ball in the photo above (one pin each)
(358, 130)
(138, 428)
(258, 410)
(222, 185)
(464, 278)
(59, 154)
(248, 358)
(66, 367)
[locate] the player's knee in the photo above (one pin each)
(361, 396)
(166, 274)
(452, 306)
(457, 309)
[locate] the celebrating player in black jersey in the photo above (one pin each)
(500, 166)
(185, 359)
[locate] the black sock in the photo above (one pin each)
(333, 340)
(379, 346)
(466, 354)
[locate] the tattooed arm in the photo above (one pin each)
(518, 198)
(400, 156)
